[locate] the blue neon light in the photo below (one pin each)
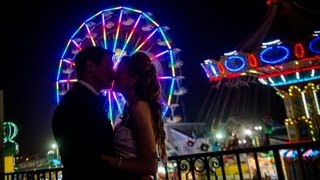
(210, 69)
(294, 81)
(213, 69)
(314, 153)
(274, 54)
(235, 63)
(314, 45)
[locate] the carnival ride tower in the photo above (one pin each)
(290, 65)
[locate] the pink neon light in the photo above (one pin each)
(91, 38)
(67, 80)
(69, 62)
(75, 43)
(145, 40)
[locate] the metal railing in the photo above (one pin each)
(44, 174)
(286, 161)
(215, 165)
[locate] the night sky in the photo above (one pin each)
(34, 35)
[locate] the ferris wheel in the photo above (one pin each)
(125, 31)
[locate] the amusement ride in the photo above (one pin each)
(291, 66)
(282, 54)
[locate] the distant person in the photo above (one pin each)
(234, 142)
(248, 143)
(139, 139)
(80, 124)
(265, 140)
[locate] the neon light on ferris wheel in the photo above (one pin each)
(124, 30)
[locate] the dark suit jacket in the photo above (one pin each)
(83, 132)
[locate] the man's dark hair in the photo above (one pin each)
(89, 53)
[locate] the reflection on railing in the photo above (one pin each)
(288, 161)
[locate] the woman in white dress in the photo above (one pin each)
(139, 139)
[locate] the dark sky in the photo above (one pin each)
(35, 33)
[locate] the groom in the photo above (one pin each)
(80, 125)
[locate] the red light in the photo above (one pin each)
(221, 68)
(299, 50)
(253, 62)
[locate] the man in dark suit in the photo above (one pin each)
(80, 125)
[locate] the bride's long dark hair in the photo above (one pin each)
(148, 89)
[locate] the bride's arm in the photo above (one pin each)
(147, 162)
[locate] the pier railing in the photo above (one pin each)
(286, 161)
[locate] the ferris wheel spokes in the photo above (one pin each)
(90, 35)
(127, 41)
(117, 32)
(125, 31)
(138, 48)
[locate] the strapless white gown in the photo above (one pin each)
(123, 141)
